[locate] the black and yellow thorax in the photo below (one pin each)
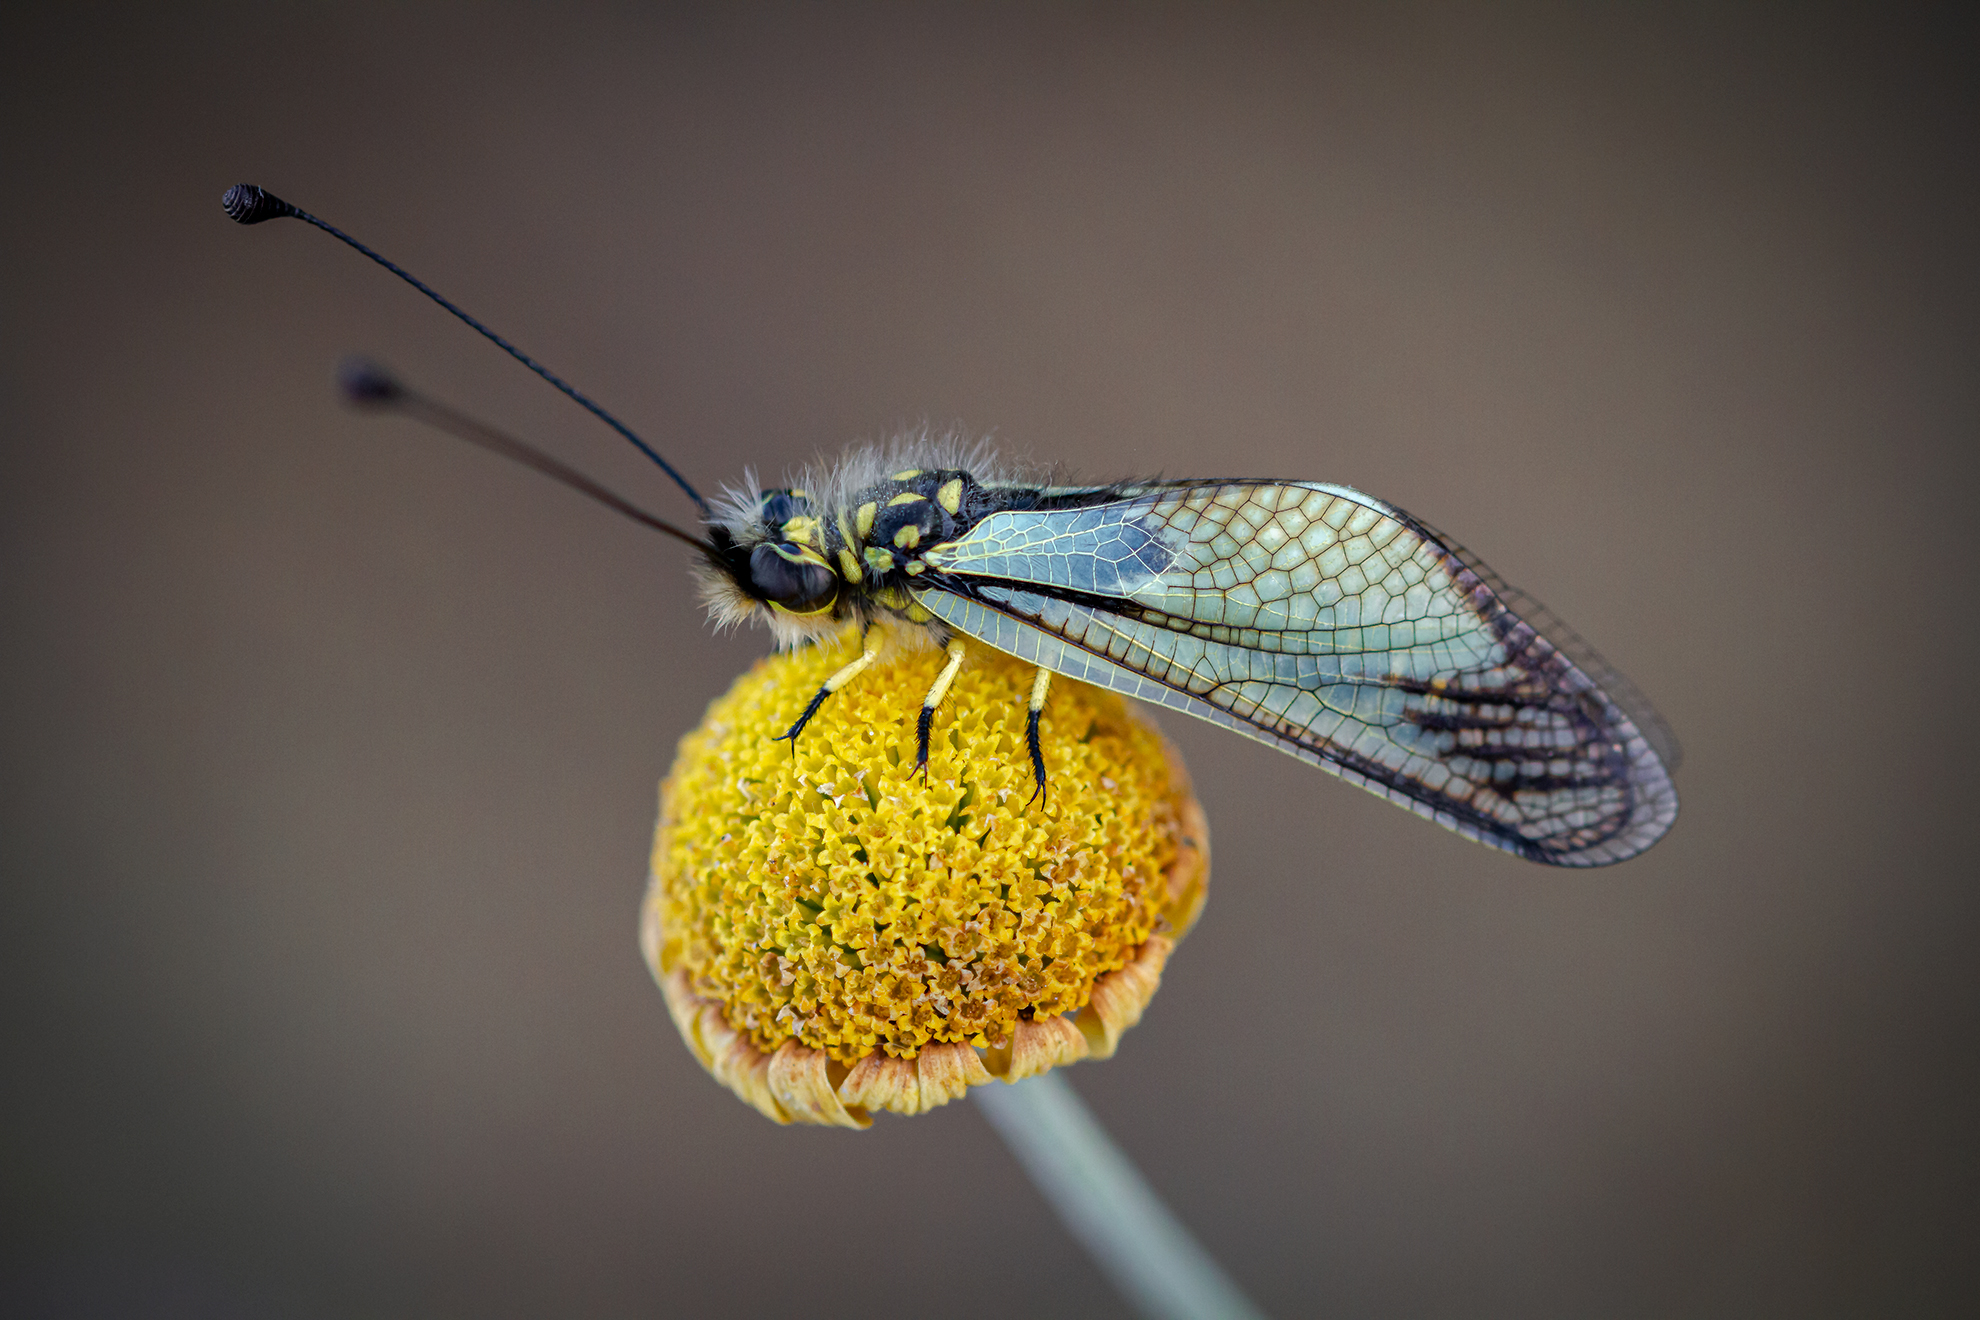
(871, 542)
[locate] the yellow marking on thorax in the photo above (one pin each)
(916, 614)
(849, 566)
(879, 559)
(915, 567)
(909, 536)
(863, 519)
(907, 474)
(950, 495)
(905, 497)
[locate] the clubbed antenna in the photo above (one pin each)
(249, 204)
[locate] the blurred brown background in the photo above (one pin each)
(330, 745)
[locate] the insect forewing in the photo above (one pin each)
(1337, 628)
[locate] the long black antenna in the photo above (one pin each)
(370, 386)
(250, 205)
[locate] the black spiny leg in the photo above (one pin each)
(1039, 686)
(922, 728)
(790, 735)
(832, 684)
(928, 705)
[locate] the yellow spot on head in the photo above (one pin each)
(828, 928)
(802, 529)
(950, 495)
(908, 537)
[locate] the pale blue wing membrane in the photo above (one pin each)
(1335, 627)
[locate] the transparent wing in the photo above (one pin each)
(1339, 629)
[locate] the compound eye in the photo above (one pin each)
(798, 587)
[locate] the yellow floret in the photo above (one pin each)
(836, 935)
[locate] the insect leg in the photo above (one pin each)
(845, 675)
(930, 702)
(1039, 686)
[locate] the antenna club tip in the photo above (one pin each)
(247, 204)
(367, 384)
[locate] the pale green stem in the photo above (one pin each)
(1104, 1201)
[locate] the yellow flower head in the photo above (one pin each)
(834, 935)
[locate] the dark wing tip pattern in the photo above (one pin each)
(1619, 797)
(1626, 695)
